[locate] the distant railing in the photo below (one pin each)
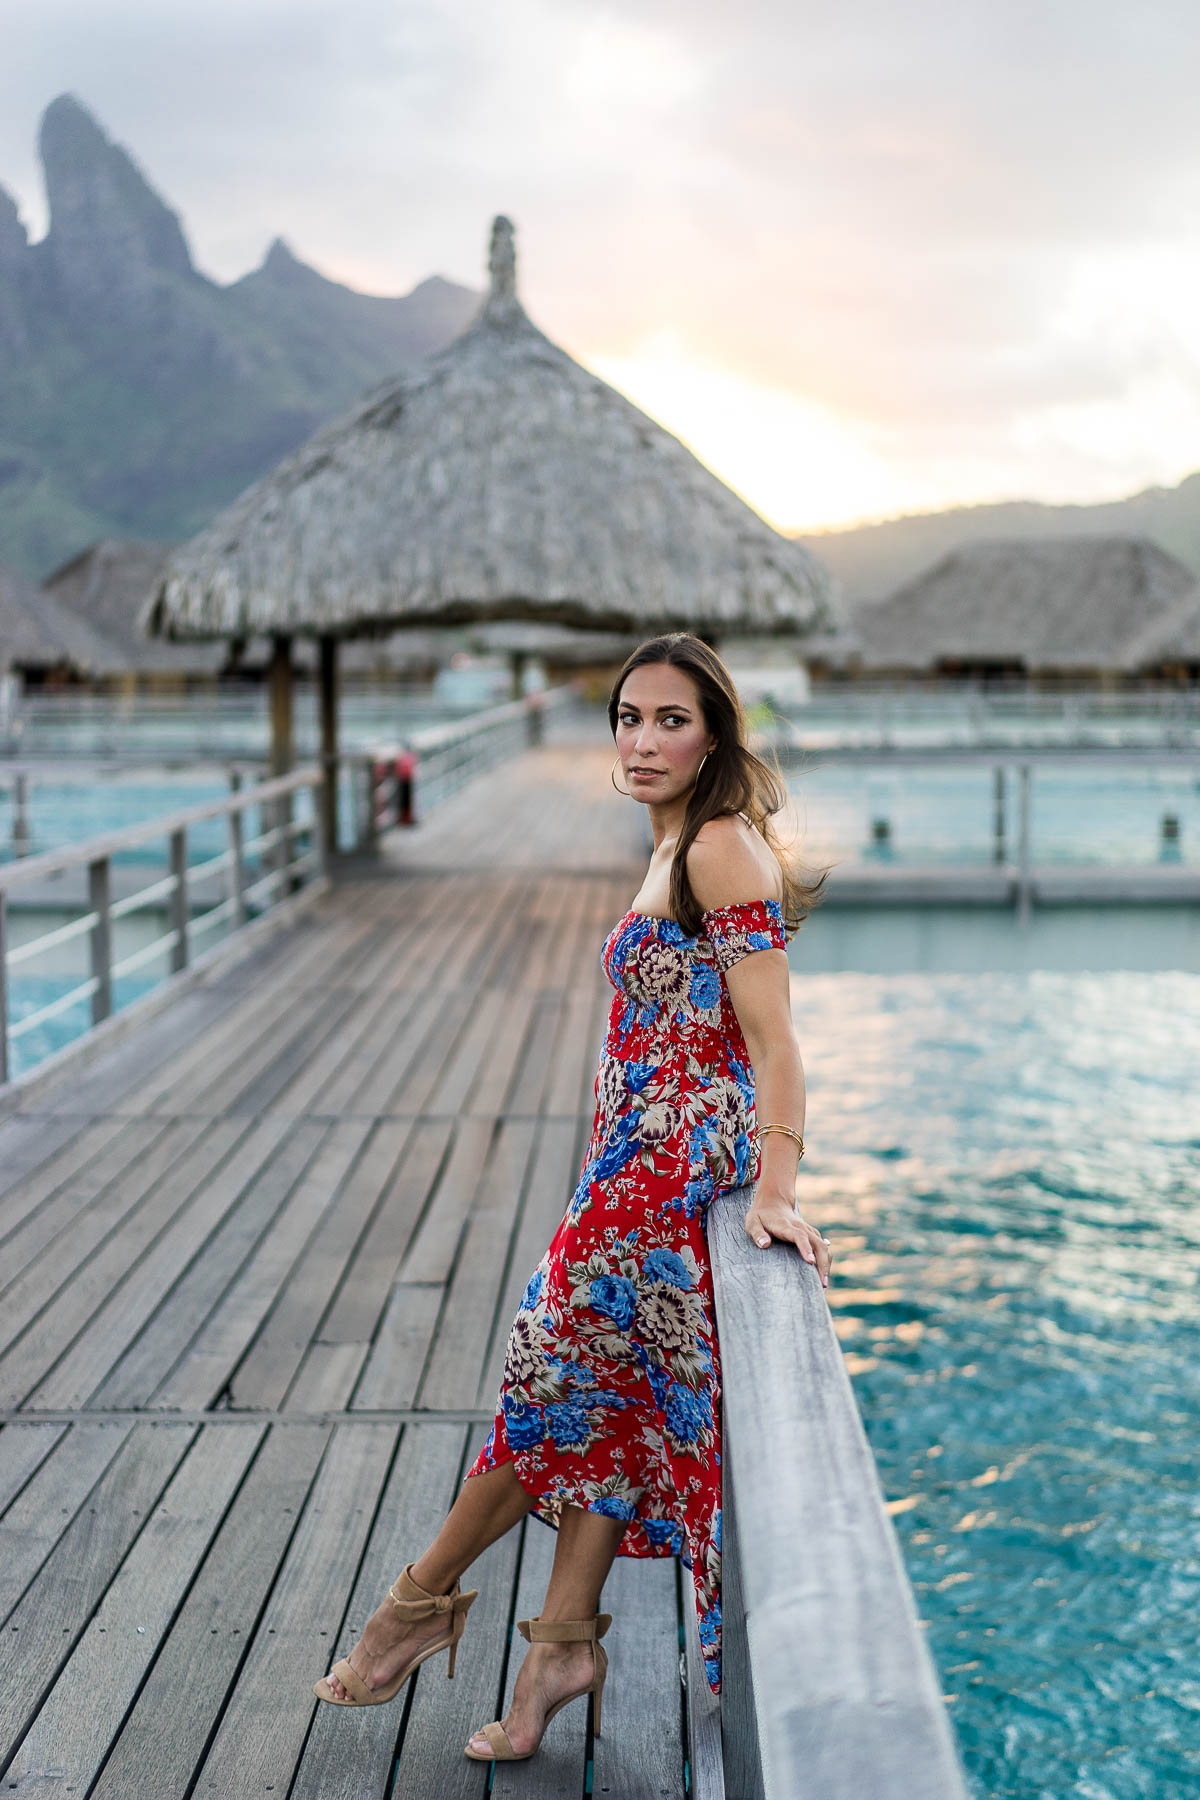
(828, 1688)
(397, 785)
(253, 875)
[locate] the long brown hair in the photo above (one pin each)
(732, 778)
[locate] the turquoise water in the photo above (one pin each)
(945, 813)
(1009, 1167)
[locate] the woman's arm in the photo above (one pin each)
(724, 871)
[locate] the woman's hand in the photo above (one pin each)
(773, 1215)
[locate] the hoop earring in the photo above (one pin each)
(701, 764)
(613, 779)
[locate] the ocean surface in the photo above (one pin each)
(1009, 1168)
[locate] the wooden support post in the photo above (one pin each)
(1024, 846)
(178, 911)
(282, 688)
(3, 989)
(999, 823)
(21, 834)
(99, 899)
(237, 859)
(328, 648)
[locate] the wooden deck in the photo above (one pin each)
(257, 1266)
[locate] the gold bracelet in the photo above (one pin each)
(762, 1130)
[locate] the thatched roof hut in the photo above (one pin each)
(1024, 606)
(107, 586)
(497, 480)
(40, 636)
(1170, 646)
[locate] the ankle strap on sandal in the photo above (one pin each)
(414, 1602)
(564, 1631)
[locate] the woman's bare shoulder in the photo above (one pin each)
(730, 862)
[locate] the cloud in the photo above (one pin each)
(960, 231)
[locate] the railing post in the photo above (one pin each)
(3, 989)
(179, 901)
(1024, 846)
(99, 900)
(237, 859)
(325, 825)
(739, 1720)
(21, 834)
(999, 825)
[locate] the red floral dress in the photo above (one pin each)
(610, 1398)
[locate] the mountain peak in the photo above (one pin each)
(108, 227)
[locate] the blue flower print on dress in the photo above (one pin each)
(524, 1424)
(615, 1298)
(568, 1424)
(612, 1508)
(529, 1298)
(688, 1413)
(664, 1532)
(667, 1265)
(705, 989)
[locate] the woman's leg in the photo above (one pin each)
(487, 1506)
(583, 1555)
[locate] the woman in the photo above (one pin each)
(608, 1423)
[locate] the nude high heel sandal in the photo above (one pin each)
(412, 1603)
(538, 1631)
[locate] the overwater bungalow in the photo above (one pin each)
(1048, 609)
(44, 642)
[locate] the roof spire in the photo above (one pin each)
(502, 303)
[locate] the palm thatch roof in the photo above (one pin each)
(1039, 604)
(107, 587)
(37, 633)
(1171, 641)
(497, 480)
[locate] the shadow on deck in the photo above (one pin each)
(257, 1267)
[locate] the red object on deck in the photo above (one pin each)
(405, 770)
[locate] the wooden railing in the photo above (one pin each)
(828, 1688)
(282, 857)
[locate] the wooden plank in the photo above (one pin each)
(346, 1758)
(231, 1079)
(73, 1236)
(102, 1310)
(43, 1510)
(867, 1714)
(259, 1740)
(46, 1625)
(28, 1143)
(435, 1243)
(396, 1359)
(417, 1078)
(368, 1077)
(59, 1163)
(263, 1375)
(302, 1094)
(460, 1350)
(485, 1037)
(706, 1761)
(640, 1755)
(559, 1766)
(207, 1643)
(444, 1714)
(67, 1741)
(549, 1184)
(361, 1298)
(23, 1448)
(153, 1355)
(211, 1359)
(326, 1378)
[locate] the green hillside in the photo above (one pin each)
(136, 396)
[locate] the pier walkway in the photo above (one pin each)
(257, 1266)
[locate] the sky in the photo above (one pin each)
(864, 258)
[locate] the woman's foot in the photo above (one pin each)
(388, 1644)
(549, 1673)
